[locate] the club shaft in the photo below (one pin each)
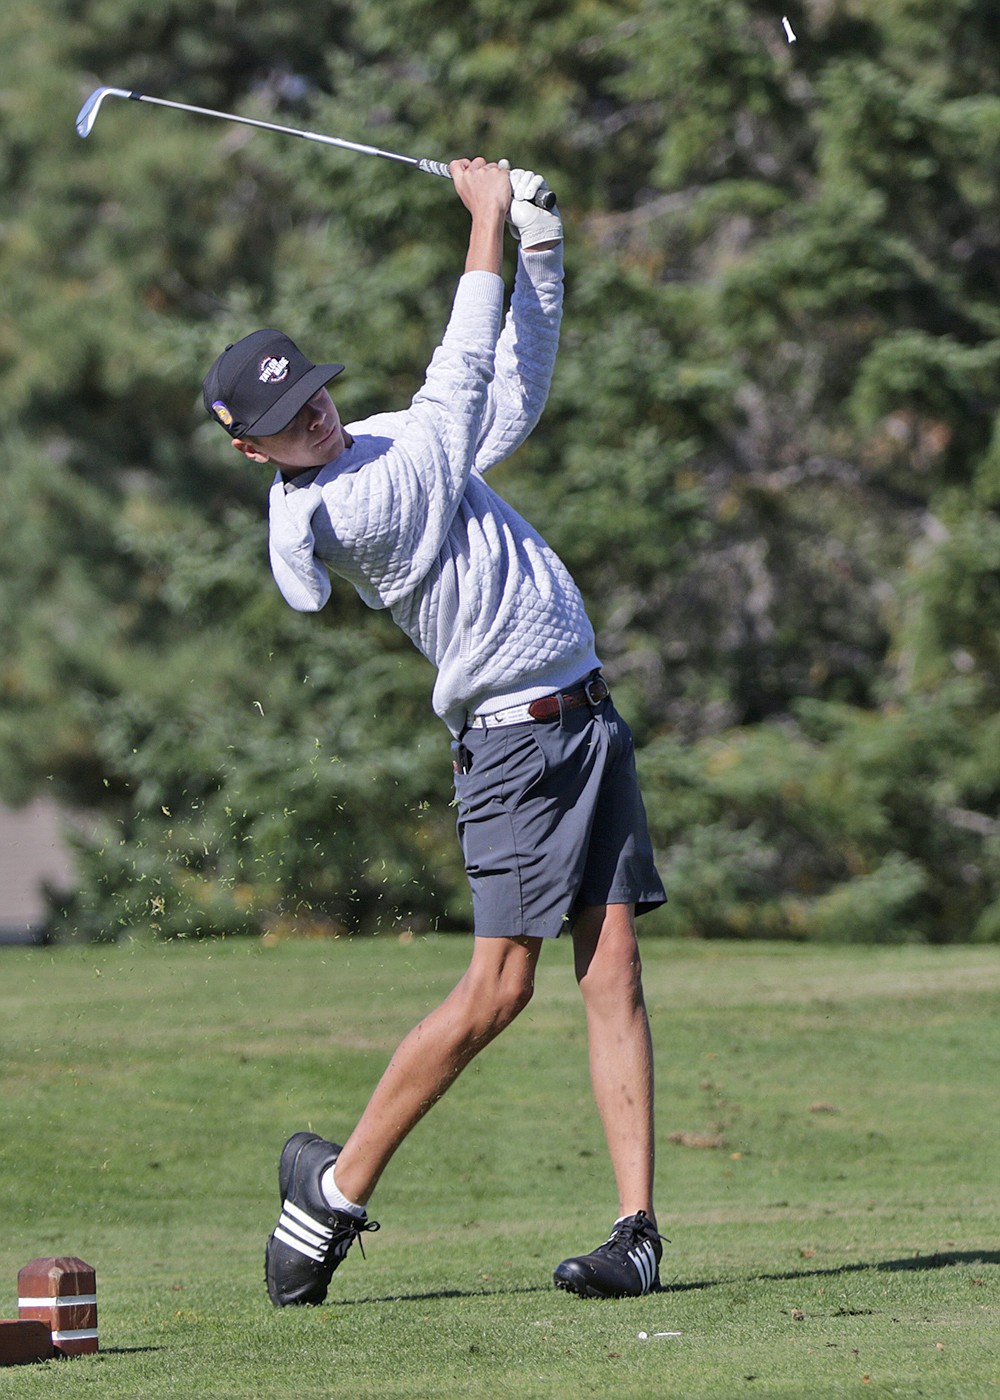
(273, 126)
(431, 167)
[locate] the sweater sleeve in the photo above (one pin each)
(379, 514)
(525, 356)
(303, 581)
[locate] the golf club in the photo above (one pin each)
(87, 116)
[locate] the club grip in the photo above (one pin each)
(545, 199)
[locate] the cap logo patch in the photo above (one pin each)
(273, 370)
(222, 413)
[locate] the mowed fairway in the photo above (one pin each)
(829, 1174)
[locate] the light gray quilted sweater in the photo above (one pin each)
(405, 515)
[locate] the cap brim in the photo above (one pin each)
(283, 410)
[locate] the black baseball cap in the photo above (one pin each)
(259, 383)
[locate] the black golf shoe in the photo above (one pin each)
(310, 1239)
(626, 1265)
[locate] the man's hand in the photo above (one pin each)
(483, 187)
(485, 190)
(535, 227)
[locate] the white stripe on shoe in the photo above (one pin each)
(318, 1256)
(301, 1232)
(644, 1259)
(300, 1219)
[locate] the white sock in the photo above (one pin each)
(334, 1197)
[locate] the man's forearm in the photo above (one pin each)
(486, 244)
(485, 191)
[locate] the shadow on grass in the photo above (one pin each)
(889, 1266)
(127, 1351)
(60, 1360)
(439, 1295)
(915, 1262)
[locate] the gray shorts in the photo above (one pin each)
(551, 820)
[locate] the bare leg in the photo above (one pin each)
(609, 972)
(496, 986)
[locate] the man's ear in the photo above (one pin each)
(250, 449)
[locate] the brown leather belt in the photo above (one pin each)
(593, 692)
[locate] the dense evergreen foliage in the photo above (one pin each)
(770, 457)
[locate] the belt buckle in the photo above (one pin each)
(595, 681)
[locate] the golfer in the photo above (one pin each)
(550, 816)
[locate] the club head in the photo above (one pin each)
(87, 115)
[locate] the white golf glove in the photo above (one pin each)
(529, 223)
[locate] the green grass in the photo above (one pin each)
(843, 1240)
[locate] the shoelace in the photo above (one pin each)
(632, 1231)
(350, 1230)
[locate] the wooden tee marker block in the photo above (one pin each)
(62, 1294)
(24, 1342)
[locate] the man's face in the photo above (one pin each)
(314, 437)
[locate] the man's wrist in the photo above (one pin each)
(485, 252)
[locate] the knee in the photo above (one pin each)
(492, 1003)
(512, 995)
(614, 984)
(612, 976)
